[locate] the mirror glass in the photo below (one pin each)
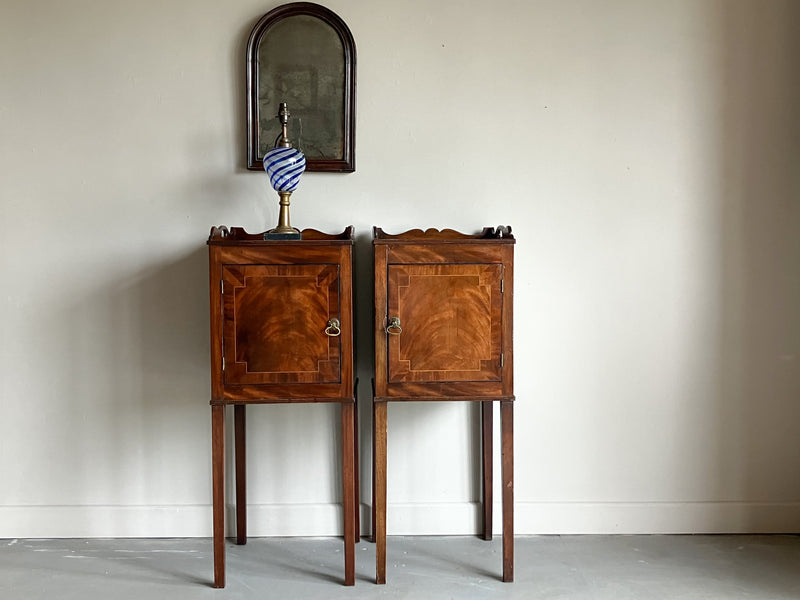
(301, 61)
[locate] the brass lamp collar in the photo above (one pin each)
(284, 226)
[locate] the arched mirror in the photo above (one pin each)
(303, 54)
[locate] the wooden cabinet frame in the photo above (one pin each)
(451, 296)
(281, 332)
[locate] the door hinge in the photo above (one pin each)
(223, 363)
(502, 359)
(502, 285)
(221, 286)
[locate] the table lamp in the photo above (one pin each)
(284, 165)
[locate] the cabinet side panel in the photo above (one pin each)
(381, 365)
(347, 319)
(215, 306)
(508, 320)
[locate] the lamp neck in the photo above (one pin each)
(284, 226)
(283, 118)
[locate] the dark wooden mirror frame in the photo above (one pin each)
(345, 164)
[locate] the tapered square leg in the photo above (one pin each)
(241, 475)
(507, 432)
(356, 477)
(379, 491)
(348, 492)
(372, 506)
(218, 485)
(487, 441)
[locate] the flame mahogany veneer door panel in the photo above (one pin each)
(451, 316)
(274, 323)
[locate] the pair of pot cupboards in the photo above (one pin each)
(282, 332)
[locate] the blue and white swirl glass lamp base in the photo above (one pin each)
(284, 165)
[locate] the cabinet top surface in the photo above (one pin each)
(237, 236)
(499, 235)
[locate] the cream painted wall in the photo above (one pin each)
(645, 153)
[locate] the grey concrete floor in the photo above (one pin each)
(546, 567)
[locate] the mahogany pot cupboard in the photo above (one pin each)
(281, 332)
(443, 332)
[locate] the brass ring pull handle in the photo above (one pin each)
(393, 328)
(334, 328)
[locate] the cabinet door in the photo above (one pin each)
(450, 315)
(274, 324)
